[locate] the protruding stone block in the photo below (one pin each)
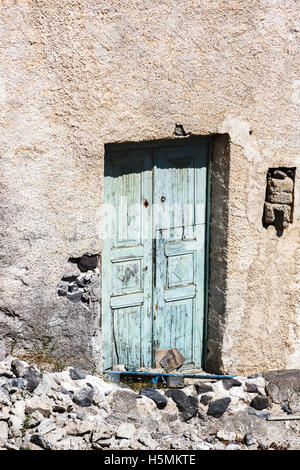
(280, 191)
(273, 211)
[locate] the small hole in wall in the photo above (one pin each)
(85, 262)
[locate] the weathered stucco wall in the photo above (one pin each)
(76, 74)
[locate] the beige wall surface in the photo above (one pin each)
(77, 74)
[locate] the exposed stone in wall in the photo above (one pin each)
(278, 208)
(81, 280)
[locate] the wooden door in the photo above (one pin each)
(153, 267)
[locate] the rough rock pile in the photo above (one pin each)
(74, 410)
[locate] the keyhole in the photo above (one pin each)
(146, 203)
(163, 199)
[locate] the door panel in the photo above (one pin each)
(127, 260)
(180, 198)
(153, 259)
(127, 335)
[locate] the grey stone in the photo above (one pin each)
(286, 407)
(85, 296)
(62, 288)
(187, 405)
(4, 413)
(228, 383)
(42, 404)
(105, 431)
(226, 435)
(124, 402)
(18, 409)
(145, 438)
(15, 426)
(217, 408)
(3, 381)
(294, 403)
(203, 388)
(18, 367)
(19, 383)
(33, 378)
(103, 444)
(56, 435)
(81, 280)
(4, 391)
(157, 397)
(75, 295)
(84, 397)
(40, 441)
(78, 428)
(46, 426)
(282, 384)
(5, 371)
(260, 402)
(71, 270)
(135, 445)
(27, 445)
(205, 399)
(63, 390)
(99, 398)
(77, 374)
(124, 444)
(249, 439)
(126, 431)
(46, 384)
(254, 376)
(35, 419)
(232, 446)
(61, 408)
(10, 446)
(261, 415)
(209, 440)
(251, 388)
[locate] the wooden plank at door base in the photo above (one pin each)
(172, 360)
(159, 355)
